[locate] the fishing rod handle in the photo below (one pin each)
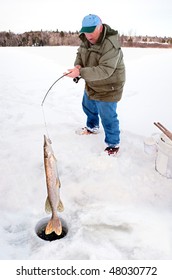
(76, 80)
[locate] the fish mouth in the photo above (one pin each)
(47, 141)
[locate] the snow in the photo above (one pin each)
(115, 208)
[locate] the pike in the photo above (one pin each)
(53, 202)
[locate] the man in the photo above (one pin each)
(99, 62)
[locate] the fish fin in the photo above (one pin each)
(59, 184)
(54, 157)
(60, 206)
(54, 225)
(48, 206)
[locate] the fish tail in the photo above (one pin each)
(54, 225)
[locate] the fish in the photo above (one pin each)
(53, 202)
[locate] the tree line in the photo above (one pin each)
(61, 38)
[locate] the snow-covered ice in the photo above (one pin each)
(115, 208)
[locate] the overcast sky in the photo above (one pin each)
(131, 17)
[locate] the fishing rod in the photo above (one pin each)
(52, 86)
(75, 80)
(45, 123)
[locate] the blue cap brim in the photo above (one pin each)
(87, 29)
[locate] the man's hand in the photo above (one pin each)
(74, 72)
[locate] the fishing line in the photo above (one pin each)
(45, 123)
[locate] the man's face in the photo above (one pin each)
(93, 37)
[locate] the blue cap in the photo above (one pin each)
(89, 23)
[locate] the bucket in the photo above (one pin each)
(150, 146)
(163, 162)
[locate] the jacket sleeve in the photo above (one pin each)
(107, 65)
(78, 60)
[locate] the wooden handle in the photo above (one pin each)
(164, 130)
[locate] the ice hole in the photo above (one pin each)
(40, 230)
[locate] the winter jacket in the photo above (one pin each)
(102, 66)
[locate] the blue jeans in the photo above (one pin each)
(109, 118)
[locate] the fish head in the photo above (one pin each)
(47, 147)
